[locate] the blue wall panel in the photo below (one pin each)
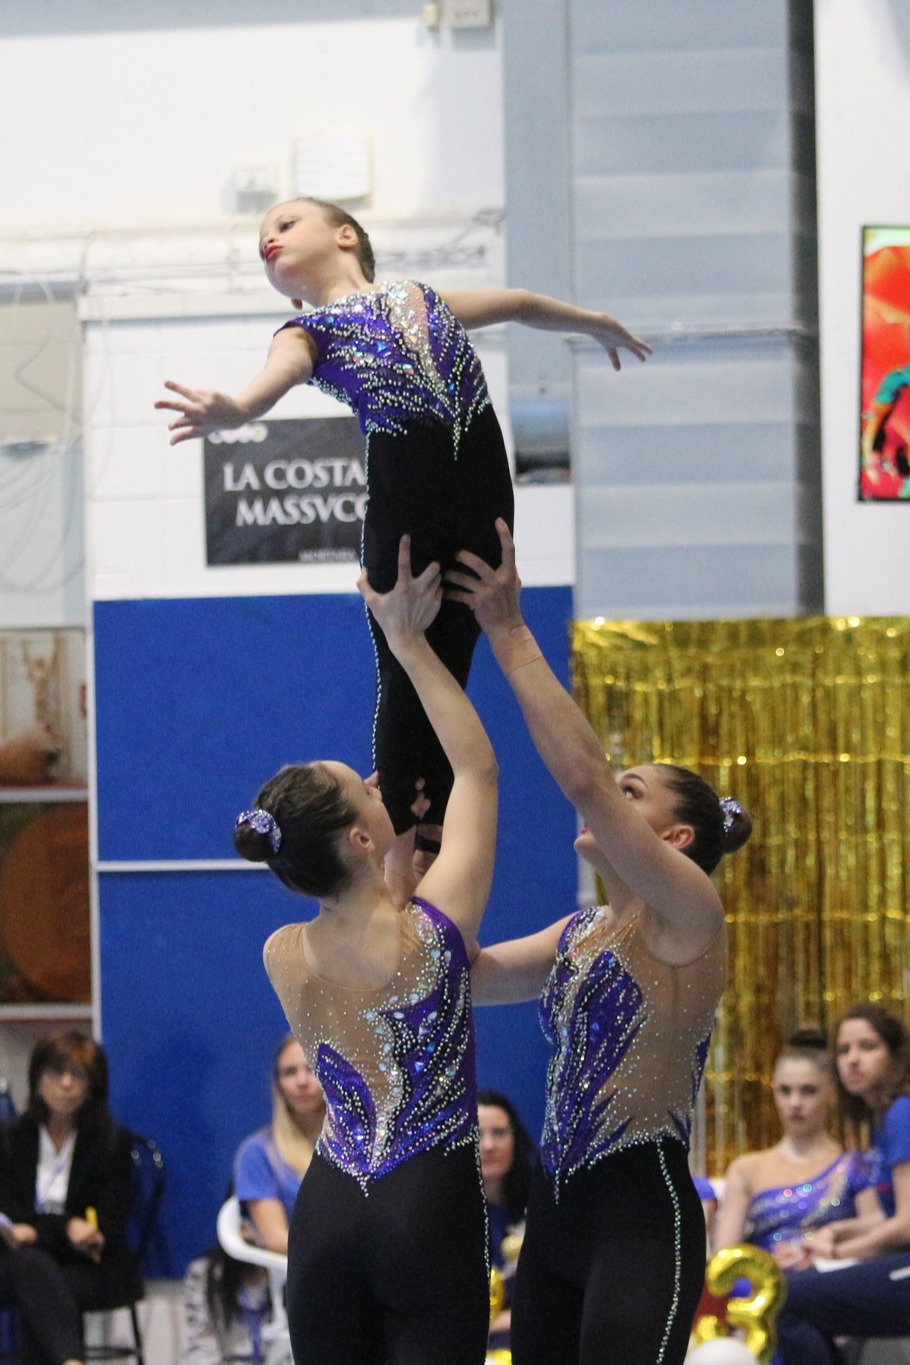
(197, 702)
(189, 1022)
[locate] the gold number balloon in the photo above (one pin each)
(497, 1291)
(754, 1314)
(497, 1299)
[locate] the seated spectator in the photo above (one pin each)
(65, 1195)
(505, 1167)
(226, 1305)
(270, 1165)
(708, 1196)
(869, 1295)
(774, 1197)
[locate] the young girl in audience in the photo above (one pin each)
(387, 1250)
(505, 1167)
(399, 355)
(271, 1163)
(776, 1197)
(868, 1296)
(613, 1261)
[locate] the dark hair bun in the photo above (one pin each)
(251, 845)
(739, 829)
(808, 1038)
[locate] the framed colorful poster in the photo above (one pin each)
(884, 438)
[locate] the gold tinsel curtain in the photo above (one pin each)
(807, 722)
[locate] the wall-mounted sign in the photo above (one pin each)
(285, 491)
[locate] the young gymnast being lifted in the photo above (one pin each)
(437, 470)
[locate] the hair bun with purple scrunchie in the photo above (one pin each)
(263, 822)
(731, 811)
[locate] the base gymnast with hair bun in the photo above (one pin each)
(613, 1260)
(437, 469)
(387, 1251)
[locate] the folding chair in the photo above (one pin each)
(148, 1189)
(275, 1336)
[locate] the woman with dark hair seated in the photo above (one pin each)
(226, 1304)
(506, 1151)
(65, 1194)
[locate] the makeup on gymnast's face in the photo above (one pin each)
(804, 1094)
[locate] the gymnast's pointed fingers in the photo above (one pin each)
(189, 394)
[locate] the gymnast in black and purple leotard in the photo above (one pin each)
(437, 469)
(613, 1259)
(399, 355)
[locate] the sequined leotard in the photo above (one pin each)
(612, 1265)
(777, 1216)
(397, 355)
(397, 1064)
(437, 469)
(388, 1237)
(629, 1036)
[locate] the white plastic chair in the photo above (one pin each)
(275, 1336)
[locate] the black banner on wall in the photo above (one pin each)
(285, 491)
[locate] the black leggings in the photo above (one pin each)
(397, 1276)
(51, 1297)
(446, 504)
(613, 1272)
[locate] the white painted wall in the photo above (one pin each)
(120, 122)
(862, 112)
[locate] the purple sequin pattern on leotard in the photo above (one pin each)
(590, 1019)
(594, 1014)
(397, 356)
(427, 1047)
(785, 1213)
